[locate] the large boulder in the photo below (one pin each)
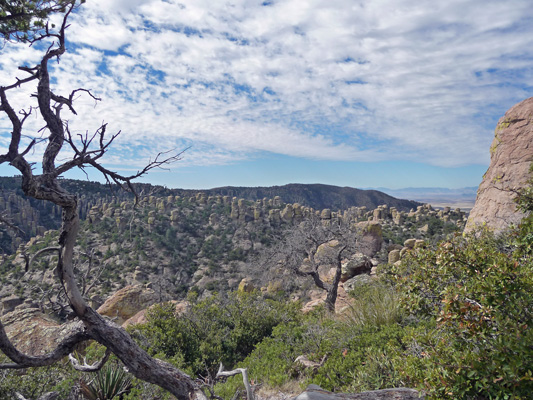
(371, 237)
(511, 157)
(35, 333)
(356, 265)
(246, 286)
(127, 302)
(318, 298)
(357, 281)
(328, 251)
(314, 392)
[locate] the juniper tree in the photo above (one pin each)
(313, 242)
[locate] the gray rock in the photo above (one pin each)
(356, 265)
(360, 280)
(371, 237)
(315, 392)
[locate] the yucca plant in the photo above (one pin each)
(108, 383)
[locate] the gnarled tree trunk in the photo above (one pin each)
(46, 187)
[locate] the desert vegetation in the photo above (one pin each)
(450, 317)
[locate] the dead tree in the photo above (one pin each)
(314, 242)
(87, 151)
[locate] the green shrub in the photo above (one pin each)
(357, 357)
(33, 382)
(214, 330)
(478, 290)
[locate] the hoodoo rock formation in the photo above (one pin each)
(511, 157)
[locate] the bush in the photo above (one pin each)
(358, 357)
(214, 330)
(477, 290)
(33, 382)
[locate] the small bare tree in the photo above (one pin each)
(312, 243)
(87, 151)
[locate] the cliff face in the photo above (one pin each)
(511, 157)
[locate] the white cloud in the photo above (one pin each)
(341, 80)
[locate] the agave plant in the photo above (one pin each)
(109, 383)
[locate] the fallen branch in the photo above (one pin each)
(46, 396)
(97, 366)
(21, 361)
(244, 371)
(307, 363)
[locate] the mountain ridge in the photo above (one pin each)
(317, 195)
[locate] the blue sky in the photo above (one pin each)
(381, 93)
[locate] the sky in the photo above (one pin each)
(381, 93)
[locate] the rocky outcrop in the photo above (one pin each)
(8, 304)
(127, 302)
(246, 286)
(172, 243)
(315, 392)
(357, 264)
(371, 237)
(397, 252)
(511, 157)
(357, 281)
(316, 196)
(35, 333)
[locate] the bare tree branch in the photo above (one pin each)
(87, 153)
(304, 247)
(307, 363)
(45, 396)
(42, 251)
(4, 219)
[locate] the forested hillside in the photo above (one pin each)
(35, 217)
(194, 243)
(319, 196)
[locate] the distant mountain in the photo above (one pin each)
(318, 196)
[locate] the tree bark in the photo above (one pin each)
(46, 187)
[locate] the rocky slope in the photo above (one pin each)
(35, 217)
(179, 245)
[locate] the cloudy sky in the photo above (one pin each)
(390, 93)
